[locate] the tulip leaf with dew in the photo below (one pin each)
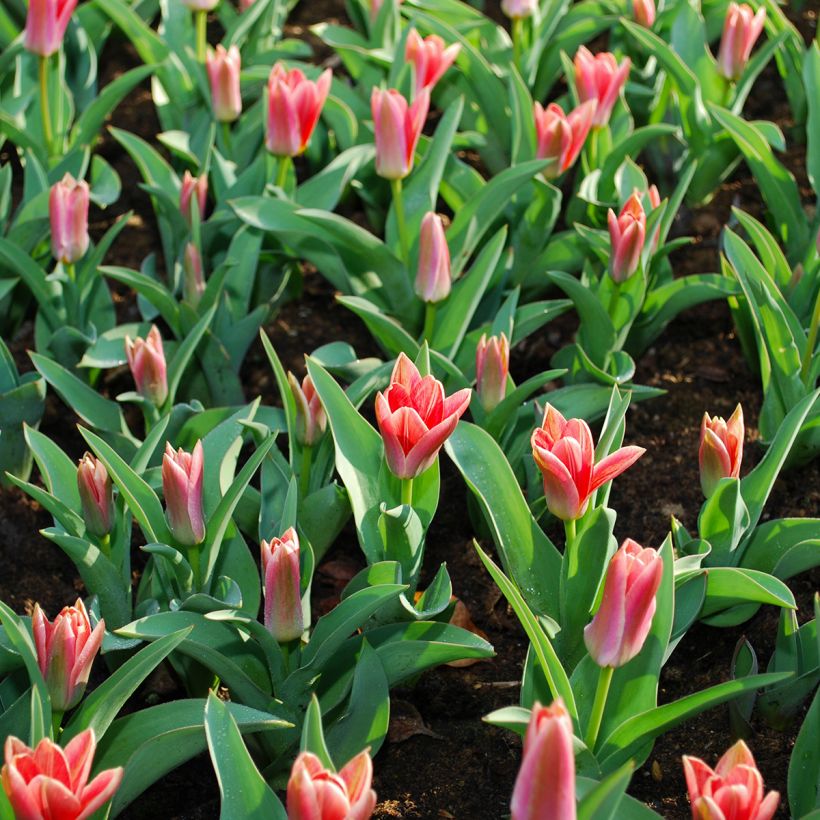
(804, 766)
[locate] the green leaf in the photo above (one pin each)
(177, 365)
(34, 278)
(770, 545)
(602, 802)
(313, 735)
(729, 586)
(149, 288)
(722, 521)
(387, 330)
(804, 765)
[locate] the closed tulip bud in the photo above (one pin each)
(741, 29)
(733, 790)
(545, 786)
(194, 189)
(560, 137)
(294, 106)
(68, 214)
(429, 57)
(46, 22)
(433, 278)
(643, 11)
(492, 365)
(627, 234)
(182, 489)
(618, 631)
(65, 652)
(50, 782)
(654, 197)
(519, 9)
(96, 495)
(311, 419)
(146, 358)
(599, 77)
(721, 449)
(397, 128)
(223, 73)
(193, 284)
(283, 597)
(314, 793)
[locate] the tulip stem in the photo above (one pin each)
(429, 321)
(601, 692)
(517, 34)
(398, 204)
(226, 137)
(811, 342)
(201, 34)
(569, 530)
(193, 560)
(56, 721)
(44, 104)
(613, 299)
(304, 472)
(407, 491)
(282, 172)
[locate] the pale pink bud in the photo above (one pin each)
(560, 138)
(194, 189)
(545, 786)
(599, 77)
(433, 278)
(52, 782)
(294, 106)
(146, 358)
(741, 29)
(65, 652)
(397, 128)
(415, 418)
(644, 12)
(721, 449)
(46, 22)
(618, 631)
(68, 214)
(311, 419)
(429, 57)
(519, 9)
(564, 452)
(182, 489)
(283, 597)
(193, 283)
(96, 495)
(223, 72)
(492, 365)
(733, 790)
(314, 793)
(627, 234)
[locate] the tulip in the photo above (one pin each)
(627, 234)
(223, 72)
(741, 29)
(415, 418)
(96, 495)
(599, 77)
(397, 128)
(193, 188)
(244, 5)
(193, 284)
(294, 105)
(721, 449)
(560, 137)
(314, 793)
(433, 278)
(430, 58)
(643, 11)
(545, 786)
(519, 9)
(283, 599)
(492, 365)
(564, 453)
(65, 652)
(654, 197)
(68, 214)
(51, 782)
(182, 489)
(311, 419)
(46, 22)
(146, 359)
(733, 790)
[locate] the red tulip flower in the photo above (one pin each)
(721, 449)
(311, 419)
(68, 215)
(146, 358)
(193, 190)
(599, 77)
(627, 234)
(397, 129)
(433, 277)
(492, 365)
(741, 29)
(46, 22)
(430, 58)
(560, 137)
(96, 495)
(643, 11)
(223, 67)
(283, 599)
(182, 490)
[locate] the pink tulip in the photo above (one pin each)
(283, 597)
(146, 358)
(561, 137)
(244, 5)
(545, 786)
(311, 419)
(433, 278)
(65, 652)
(733, 790)
(294, 105)
(314, 793)
(193, 189)
(96, 495)
(415, 418)
(519, 9)
(68, 214)
(223, 72)
(492, 365)
(193, 284)
(741, 29)
(398, 128)
(182, 489)
(430, 58)
(599, 77)
(46, 23)
(564, 453)
(50, 782)
(620, 626)
(627, 234)
(643, 11)
(654, 197)
(721, 449)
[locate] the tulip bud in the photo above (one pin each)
(721, 449)
(146, 359)
(46, 23)
(68, 214)
(627, 234)
(193, 285)
(283, 597)
(294, 106)
(519, 9)
(193, 189)
(96, 495)
(244, 5)
(618, 631)
(599, 77)
(397, 128)
(223, 73)
(182, 489)
(311, 419)
(65, 652)
(643, 11)
(429, 57)
(433, 279)
(492, 364)
(561, 137)
(741, 29)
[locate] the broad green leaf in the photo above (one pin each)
(313, 735)
(728, 586)
(804, 765)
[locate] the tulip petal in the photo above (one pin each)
(614, 464)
